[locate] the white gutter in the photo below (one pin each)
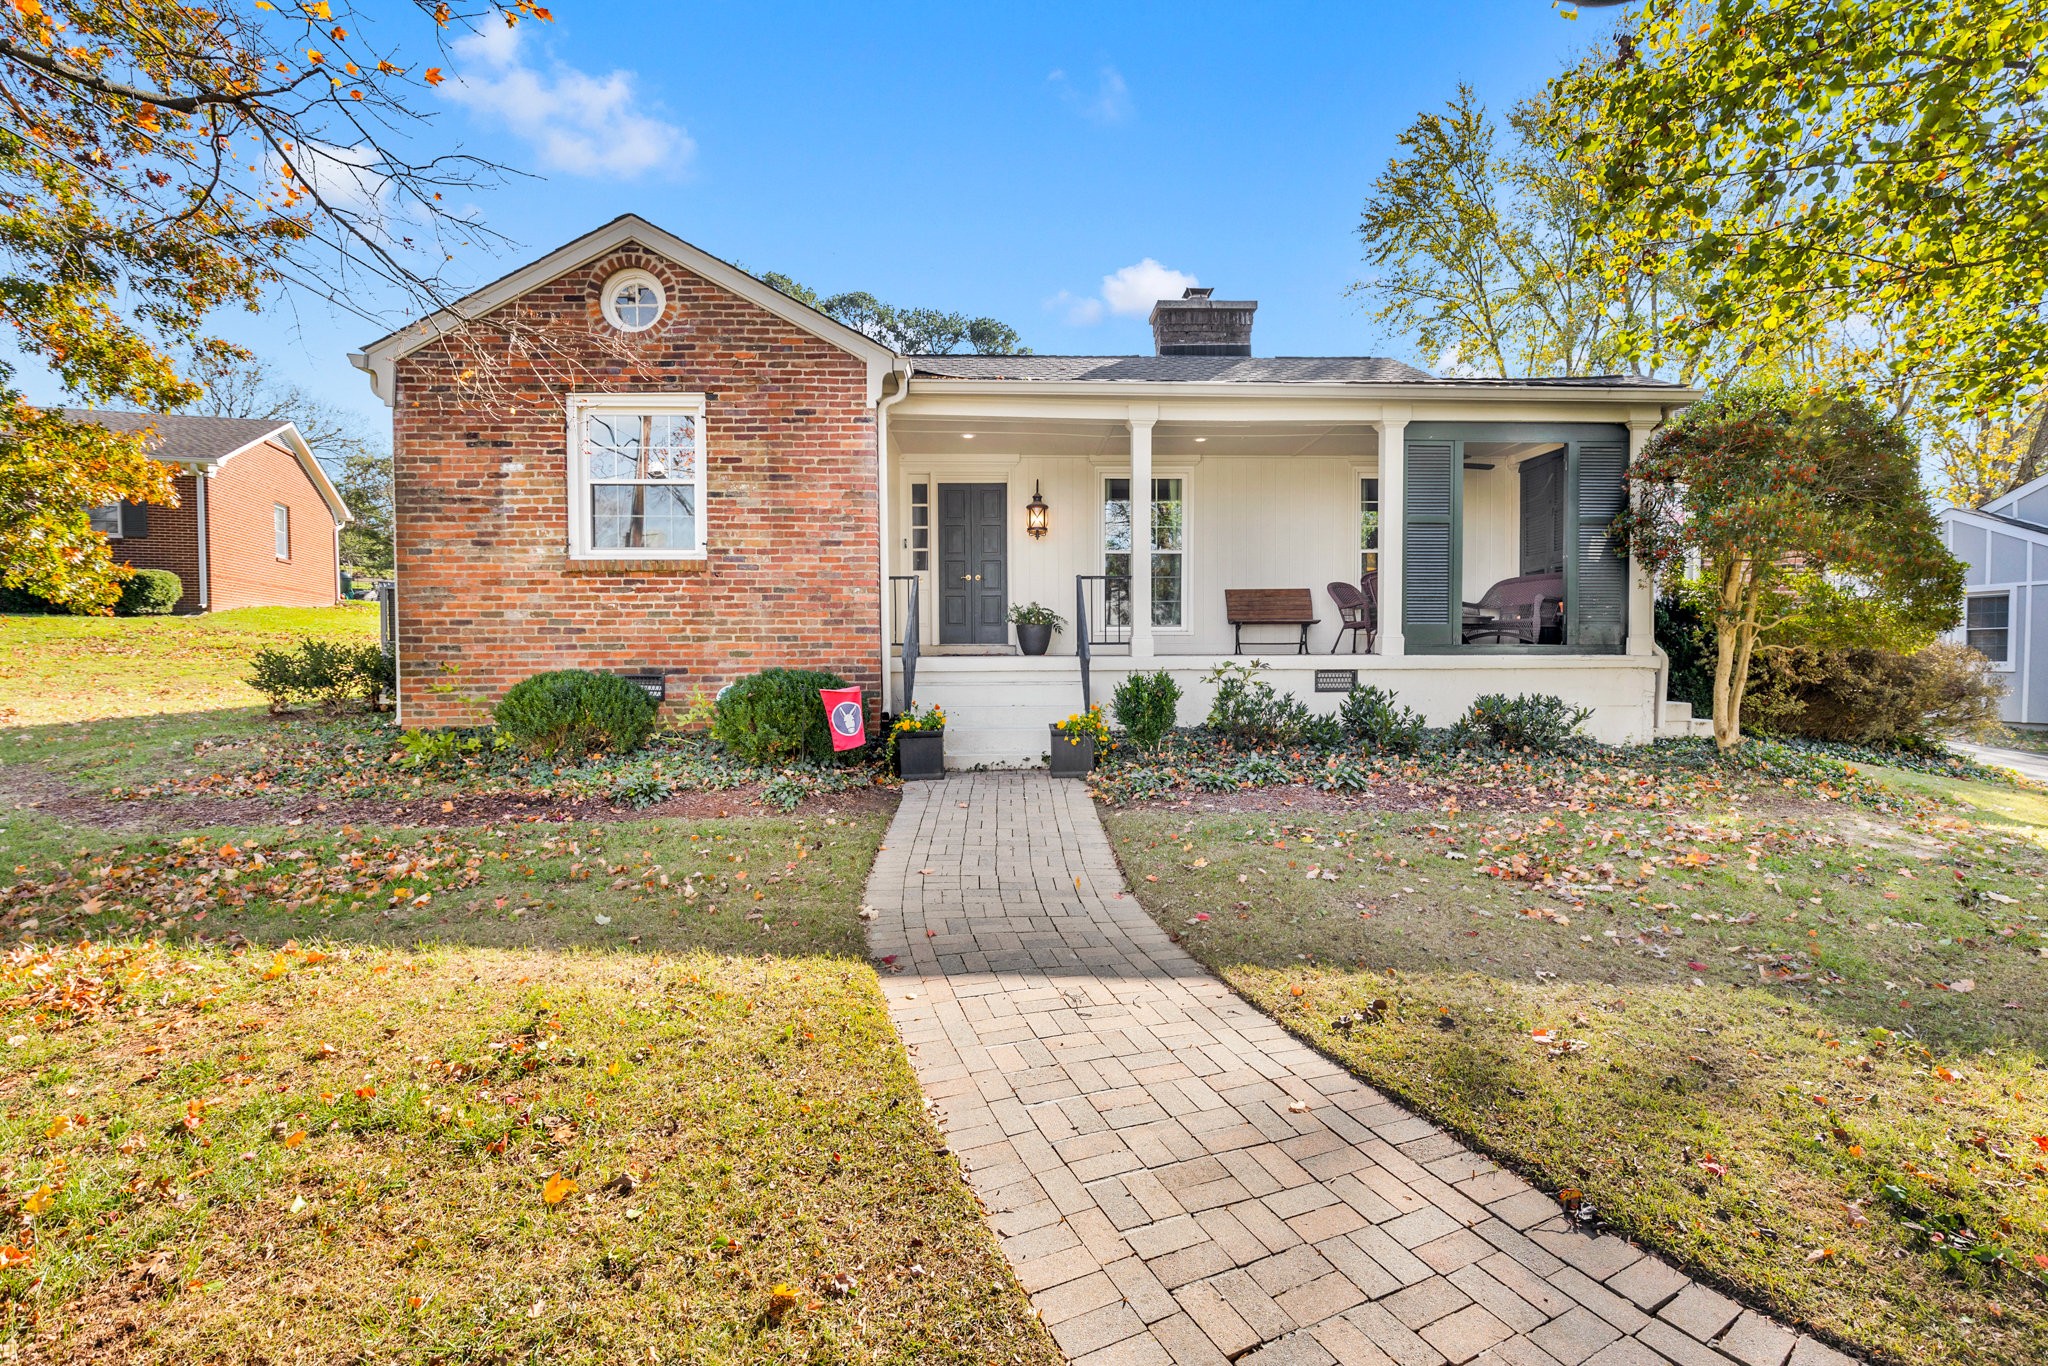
(200, 476)
(1123, 390)
(882, 406)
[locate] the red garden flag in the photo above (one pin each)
(844, 717)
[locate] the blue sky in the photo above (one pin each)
(993, 159)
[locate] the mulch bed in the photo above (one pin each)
(25, 790)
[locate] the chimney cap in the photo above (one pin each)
(1198, 291)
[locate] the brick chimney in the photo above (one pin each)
(1198, 325)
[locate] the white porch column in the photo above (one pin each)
(1142, 418)
(1393, 435)
(1642, 588)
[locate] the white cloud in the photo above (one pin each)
(1133, 290)
(349, 179)
(1108, 102)
(1076, 311)
(577, 122)
(1129, 293)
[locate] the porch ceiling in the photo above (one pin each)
(1091, 439)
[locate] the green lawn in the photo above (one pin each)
(61, 669)
(523, 1092)
(1805, 1053)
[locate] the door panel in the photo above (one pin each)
(1543, 514)
(974, 587)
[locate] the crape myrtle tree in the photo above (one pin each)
(1806, 515)
(162, 160)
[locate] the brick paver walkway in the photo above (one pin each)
(1176, 1179)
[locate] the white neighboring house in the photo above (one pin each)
(2004, 546)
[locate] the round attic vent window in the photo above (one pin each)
(633, 300)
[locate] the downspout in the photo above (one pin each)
(199, 477)
(882, 406)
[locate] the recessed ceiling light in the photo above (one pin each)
(967, 436)
(1200, 439)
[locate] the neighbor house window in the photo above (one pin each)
(1169, 546)
(281, 529)
(107, 520)
(920, 526)
(1368, 527)
(1987, 626)
(637, 476)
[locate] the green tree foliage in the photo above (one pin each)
(1800, 509)
(1485, 247)
(160, 160)
(912, 331)
(1872, 165)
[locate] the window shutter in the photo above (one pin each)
(1597, 598)
(1430, 612)
(134, 521)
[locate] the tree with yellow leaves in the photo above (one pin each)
(161, 160)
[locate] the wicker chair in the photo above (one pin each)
(1357, 610)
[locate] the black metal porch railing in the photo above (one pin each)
(1102, 616)
(903, 629)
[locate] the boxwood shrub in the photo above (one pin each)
(574, 712)
(775, 715)
(149, 593)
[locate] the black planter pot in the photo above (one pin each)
(1071, 760)
(1034, 640)
(921, 754)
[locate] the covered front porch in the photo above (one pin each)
(1442, 550)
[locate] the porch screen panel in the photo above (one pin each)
(1429, 544)
(1598, 600)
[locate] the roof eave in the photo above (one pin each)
(1394, 390)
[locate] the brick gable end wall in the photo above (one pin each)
(242, 565)
(487, 592)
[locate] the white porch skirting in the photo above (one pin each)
(998, 707)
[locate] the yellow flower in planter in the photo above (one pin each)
(1086, 725)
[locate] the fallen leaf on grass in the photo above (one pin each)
(557, 1189)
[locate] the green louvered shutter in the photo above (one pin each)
(1598, 596)
(1430, 612)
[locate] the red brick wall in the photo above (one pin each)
(172, 542)
(487, 593)
(242, 565)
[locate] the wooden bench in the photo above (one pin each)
(1269, 607)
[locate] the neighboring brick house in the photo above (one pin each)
(257, 521)
(632, 456)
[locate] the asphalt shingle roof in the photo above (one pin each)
(1230, 370)
(182, 438)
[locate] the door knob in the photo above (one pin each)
(967, 578)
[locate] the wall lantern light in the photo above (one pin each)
(1034, 514)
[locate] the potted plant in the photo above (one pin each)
(919, 736)
(1076, 741)
(1035, 626)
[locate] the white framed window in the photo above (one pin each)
(636, 476)
(106, 521)
(1368, 525)
(633, 300)
(920, 525)
(281, 530)
(1169, 547)
(1987, 626)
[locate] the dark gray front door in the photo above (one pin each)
(974, 582)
